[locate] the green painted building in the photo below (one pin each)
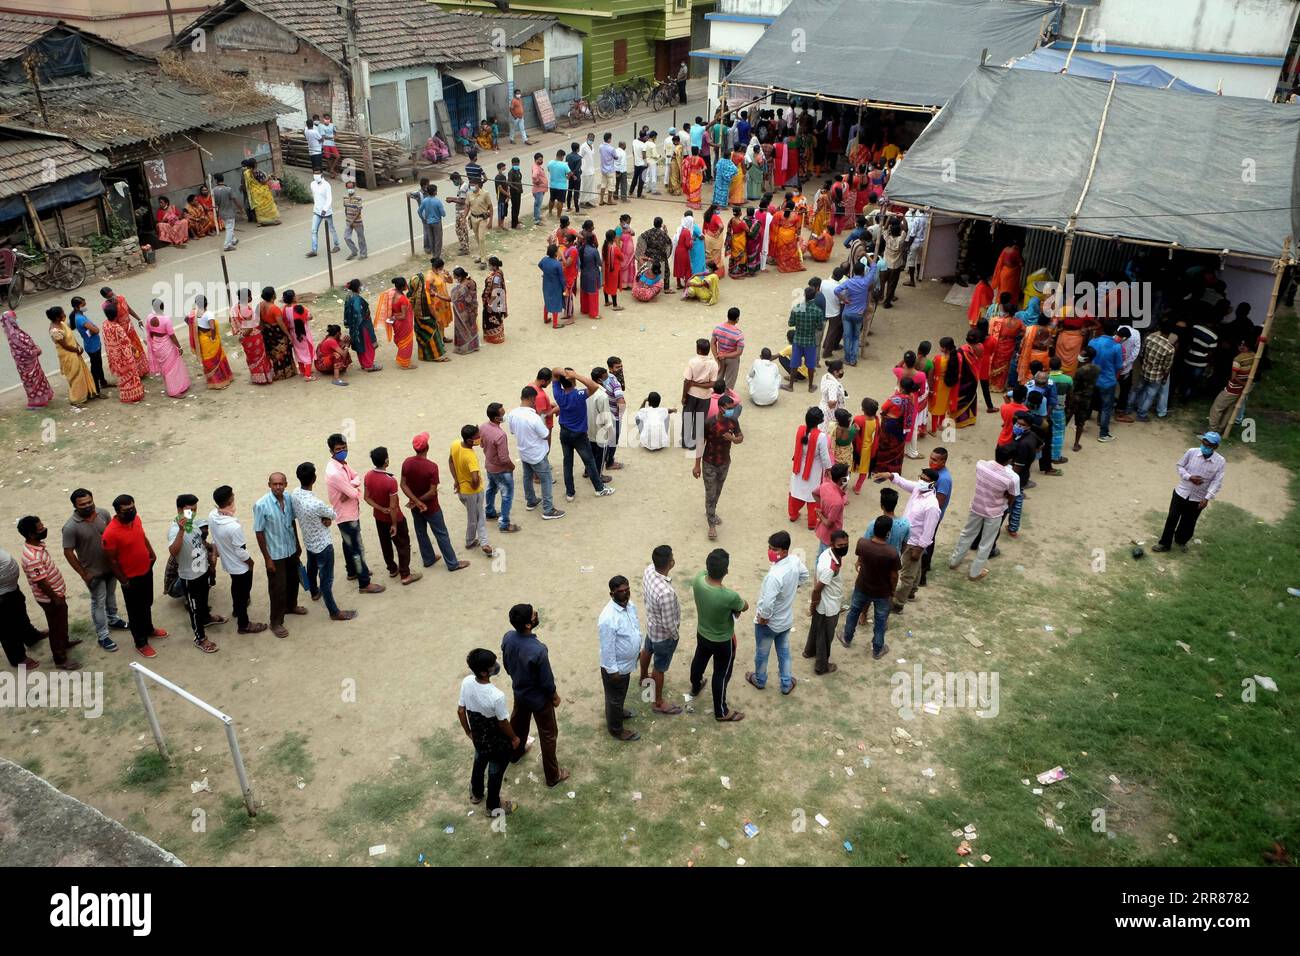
(623, 39)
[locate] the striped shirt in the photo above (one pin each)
(728, 338)
(352, 209)
(1157, 357)
(39, 566)
(1192, 464)
(992, 484)
(1241, 367)
(663, 612)
(1199, 349)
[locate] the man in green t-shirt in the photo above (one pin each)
(716, 607)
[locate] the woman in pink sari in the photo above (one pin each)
(244, 320)
(627, 241)
(304, 346)
(165, 357)
(27, 356)
(173, 227)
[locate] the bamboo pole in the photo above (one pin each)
(1279, 267)
(1087, 183)
(1077, 30)
(36, 223)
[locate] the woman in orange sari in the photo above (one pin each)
(1037, 345)
(199, 218)
(737, 195)
(204, 199)
(173, 228)
(785, 240)
(395, 312)
(800, 205)
(943, 399)
(1070, 340)
(693, 177)
(821, 247)
(980, 301)
(1004, 330)
(1006, 274)
(611, 261)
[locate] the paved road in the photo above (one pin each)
(274, 255)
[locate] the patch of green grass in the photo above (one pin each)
(234, 825)
(148, 771)
(33, 765)
(290, 755)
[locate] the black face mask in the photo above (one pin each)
(840, 552)
(86, 512)
(42, 534)
(536, 621)
(127, 516)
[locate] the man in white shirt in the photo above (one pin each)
(620, 171)
(774, 614)
(187, 544)
(827, 601)
(315, 144)
(923, 513)
(638, 164)
(322, 211)
(534, 448)
(764, 379)
(652, 424)
(232, 549)
(652, 155)
(1200, 475)
(587, 152)
(314, 518)
(834, 327)
(485, 719)
(619, 629)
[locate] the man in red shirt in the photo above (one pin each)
(543, 406)
(1009, 408)
(420, 485)
(48, 588)
(381, 494)
(500, 469)
(131, 558)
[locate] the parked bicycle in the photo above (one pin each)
(639, 89)
(580, 113)
(56, 269)
(664, 95)
(615, 99)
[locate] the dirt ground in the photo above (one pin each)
(405, 651)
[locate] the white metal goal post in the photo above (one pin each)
(140, 672)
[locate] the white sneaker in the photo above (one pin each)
(569, 497)
(605, 492)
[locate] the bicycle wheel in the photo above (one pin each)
(627, 101)
(660, 99)
(603, 107)
(68, 272)
(15, 293)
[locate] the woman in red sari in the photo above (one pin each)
(119, 350)
(611, 258)
(1006, 274)
(173, 228)
(248, 327)
(897, 417)
(27, 357)
(1004, 330)
(688, 233)
(570, 259)
(980, 301)
(397, 315)
(693, 177)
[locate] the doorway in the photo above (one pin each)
(462, 105)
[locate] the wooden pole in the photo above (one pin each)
(36, 223)
(1083, 193)
(1079, 29)
(410, 225)
(1279, 268)
(225, 278)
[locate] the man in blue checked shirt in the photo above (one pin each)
(277, 537)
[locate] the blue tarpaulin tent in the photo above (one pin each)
(1053, 61)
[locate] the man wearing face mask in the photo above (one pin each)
(48, 588)
(922, 514)
(774, 614)
(529, 666)
(482, 714)
(827, 598)
(480, 220)
(131, 558)
(470, 488)
(587, 153)
(619, 629)
(1026, 442)
(714, 458)
(83, 548)
(352, 224)
(345, 494)
(322, 195)
(1200, 474)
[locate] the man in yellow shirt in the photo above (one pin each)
(787, 353)
(467, 474)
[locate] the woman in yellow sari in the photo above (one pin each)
(205, 343)
(676, 153)
(715, 239)
(821, 216)
(484, 137)
(738, 243)
(81, 386)
(800, 205)
(259, 195)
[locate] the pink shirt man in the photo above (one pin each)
(344, 487)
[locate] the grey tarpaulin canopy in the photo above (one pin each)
(911, 53)
(1176, 169)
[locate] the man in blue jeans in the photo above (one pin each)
(878, 567)
(344, 486)
(500, 469)
(774, 615)
(570, 389)
(419, 482)
(314, 518)
(534, 450)
(1109, 359)
(853, 294)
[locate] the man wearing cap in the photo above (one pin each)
(1200, 473)
(419, 482)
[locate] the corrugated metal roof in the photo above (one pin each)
(392, 34)
(517, 28)
(18, 32)
(104, 112)
(28, 162)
